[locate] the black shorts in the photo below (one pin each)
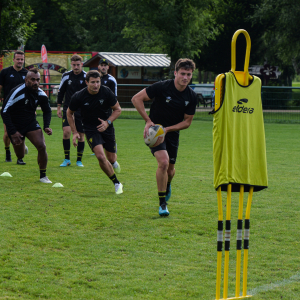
(34, 125)
(78, 122)
(170, 144)
(106, 138)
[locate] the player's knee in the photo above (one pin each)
(66, 133)
(101, 157)
(163, 164)
(41, 147)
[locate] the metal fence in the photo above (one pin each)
(280, 104)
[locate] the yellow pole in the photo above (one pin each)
(246, 240)
(227, 241)
(220, 243)
(239, 243)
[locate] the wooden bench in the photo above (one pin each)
(204, 100)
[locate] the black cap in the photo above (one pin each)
(103, 61)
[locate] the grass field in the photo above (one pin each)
(84, 242)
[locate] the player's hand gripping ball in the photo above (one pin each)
(156, 136)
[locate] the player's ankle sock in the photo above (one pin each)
(115, 164)
(162, 198)
(114, 179)
(168, 187)
(7, 151)
(80, 149)
(67, 145)
(42, 173)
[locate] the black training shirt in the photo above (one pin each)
(10, 78)
(69, 85)
(93, 106)
(110, 81)
(20, 105)
(169, 105)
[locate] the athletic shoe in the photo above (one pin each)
(119, 188)
(26, 149)
(117, 169)
(163, 211)
(66, 163)
(79, 164)
(21, 162)
(168, 196)
(45, 180)
(8, 159)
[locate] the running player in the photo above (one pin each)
(109, 81)
(71, 82)
(174, 106)
(9, 78)
(18, 114)
(96, 102)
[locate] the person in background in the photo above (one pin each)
(9, 78)
(109, 81)
(71, 82)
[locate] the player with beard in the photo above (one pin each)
(18, 114)
(9, 78)
(71, 82)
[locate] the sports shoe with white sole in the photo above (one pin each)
(79, 164)
(45, 180)
(163, 211)
(117, 169)
(26, 149)
(66, 163)
(119, 188)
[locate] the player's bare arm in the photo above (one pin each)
(59, 114)
(138, 102)
(187, 121)
(76, 135)
(115, 114)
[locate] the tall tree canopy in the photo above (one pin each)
(178, 28)
(93, 25)
(15, 28)
(280, 25)
(232, 15)
(56, 26)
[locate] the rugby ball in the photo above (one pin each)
(156, 136)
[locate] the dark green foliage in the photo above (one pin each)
(178, 28)
(15, 28)
(232, 15)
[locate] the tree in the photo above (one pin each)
(232, 15)
(57, 28)
(178, 28)
(15, 28)
(103, 26)
(75, 25)
(280, 22)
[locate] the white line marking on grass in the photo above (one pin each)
(272, 286)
